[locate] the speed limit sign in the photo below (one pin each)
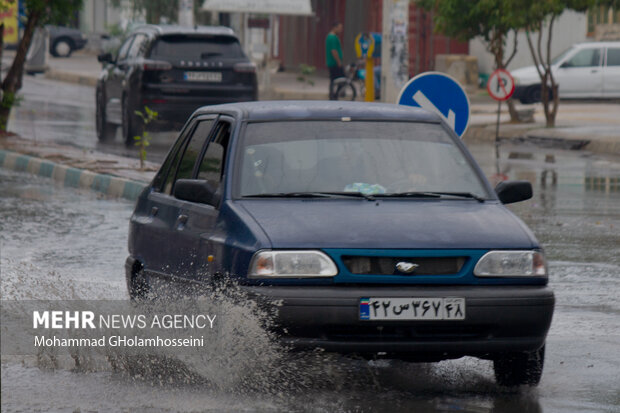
(501, 85)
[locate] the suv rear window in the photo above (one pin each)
(196, 48)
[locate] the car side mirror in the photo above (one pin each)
(513, 191)
(565, 65)
(105, 58)
(196, 190)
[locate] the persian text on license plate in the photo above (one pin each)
(203, 76)
(426, 308)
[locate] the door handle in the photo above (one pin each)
(181, 221)
(594, 71)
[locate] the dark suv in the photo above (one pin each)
(172, 70)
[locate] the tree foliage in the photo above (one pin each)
(536, 16)
(492, 20)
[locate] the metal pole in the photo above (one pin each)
(499, 107)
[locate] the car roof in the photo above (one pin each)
(597, 44)
(169, 29)
(315, 110)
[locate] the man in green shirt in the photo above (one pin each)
(333, 56)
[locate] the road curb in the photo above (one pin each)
(109, 185)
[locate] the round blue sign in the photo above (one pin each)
(440, 94)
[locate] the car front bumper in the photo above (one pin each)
(499, 320)
(520, 92)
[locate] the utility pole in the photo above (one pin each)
(186, 13)
(394, 49)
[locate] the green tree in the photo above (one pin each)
(535, 17)
(153, 10)
(38, 13)
(492, 20)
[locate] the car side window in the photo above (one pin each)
(212, 164)
(167, 169)
(585, 58)
(124, 49)
(193, 150)
(613, 57)
(137, 46)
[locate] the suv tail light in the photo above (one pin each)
(245, 67)
(157, 65)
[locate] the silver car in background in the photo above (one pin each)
(584, 71)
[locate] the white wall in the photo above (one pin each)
(568, 29)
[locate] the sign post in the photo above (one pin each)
(441, 94)
(501, 87)
(365, 47)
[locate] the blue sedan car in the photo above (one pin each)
(371, 224)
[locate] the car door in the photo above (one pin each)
(201, 219)
(162, 243)
(611, 73)
(581, 74)
(114, 83)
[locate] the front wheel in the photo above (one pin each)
(520, 368)
(346, 91)
(62, 48)
(139, 286)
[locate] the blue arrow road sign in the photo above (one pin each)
(441, 94)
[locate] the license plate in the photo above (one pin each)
(426, 308)
(203, 76)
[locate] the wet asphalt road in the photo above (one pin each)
(64, 113)
(63, 244)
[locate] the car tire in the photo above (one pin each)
(345, 91)
(130, 124)
(105, 130)
(62, 47)
(520, 368)
(139, 286)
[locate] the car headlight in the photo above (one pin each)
(511, 264)
(291, 264)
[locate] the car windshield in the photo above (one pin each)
(338, 157)
(196, 48)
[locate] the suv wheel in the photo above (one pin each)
(131, 127)
(520, 368)
(105, 130)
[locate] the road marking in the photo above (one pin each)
(421, 99)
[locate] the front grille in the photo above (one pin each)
(388, 265)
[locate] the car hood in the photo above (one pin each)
(526, 75)
(398, 224)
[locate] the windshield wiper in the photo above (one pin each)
(312, 195)
(431, 194)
